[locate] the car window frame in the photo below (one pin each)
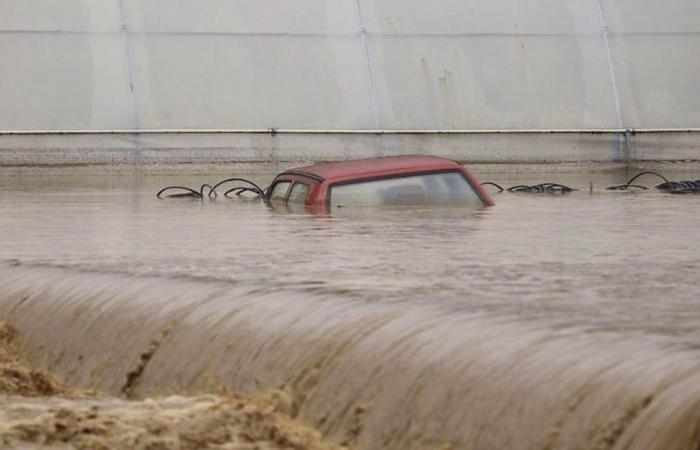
(293, 178)
(286, 194)
(291, 188)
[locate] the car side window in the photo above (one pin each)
(279, 191)
(299, 193)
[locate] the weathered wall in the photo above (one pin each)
(353, 64)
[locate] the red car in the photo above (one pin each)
(394, 180)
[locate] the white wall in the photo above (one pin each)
(349, 64)
(69, 64)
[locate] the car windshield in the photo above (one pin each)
(449, 188)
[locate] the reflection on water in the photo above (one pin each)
(544, 322)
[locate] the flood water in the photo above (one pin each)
(625, 262)
(541, 298)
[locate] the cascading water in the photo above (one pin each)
(548, 322)
(406, 377)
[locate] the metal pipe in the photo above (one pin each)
(273, 131)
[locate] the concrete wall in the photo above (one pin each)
(352, 64)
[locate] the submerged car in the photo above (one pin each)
(393, 180)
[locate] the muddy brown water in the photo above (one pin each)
(544, 322)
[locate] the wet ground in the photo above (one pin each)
(609, 276)
(38, 411)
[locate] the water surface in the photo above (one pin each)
(547, 321)
(597, 261)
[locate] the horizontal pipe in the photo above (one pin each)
(361, 132)
(284, 34)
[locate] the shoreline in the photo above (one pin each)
(274, 168)
(495, 150)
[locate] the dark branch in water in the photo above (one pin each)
(542, 188)
(673, 187)
(248, 186)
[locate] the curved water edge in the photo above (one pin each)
(381, 375)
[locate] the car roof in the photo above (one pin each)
(381, 166)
